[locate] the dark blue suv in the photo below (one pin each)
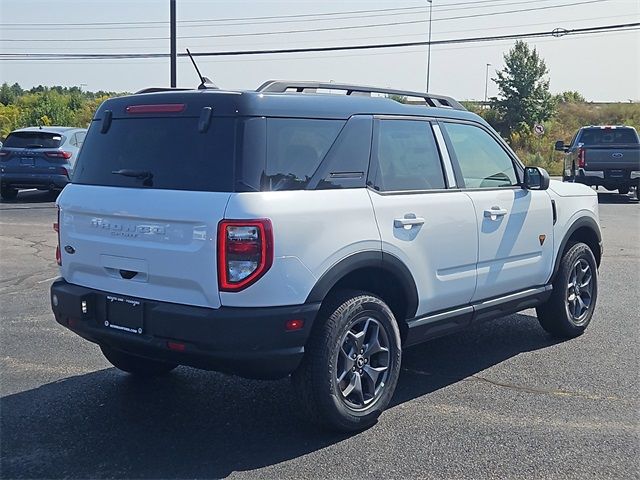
(38, 157)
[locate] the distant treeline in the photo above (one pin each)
(68, 106)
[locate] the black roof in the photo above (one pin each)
(256, 103)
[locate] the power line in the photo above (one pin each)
(326, 29)
(340, 39)
(554, 32)
(165, 22)
(243, 21)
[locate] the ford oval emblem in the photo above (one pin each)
(616, 155)
(69, 249)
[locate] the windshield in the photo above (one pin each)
(33, 140)
(162, 153)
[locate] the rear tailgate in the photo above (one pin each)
(612, 157)
(149, 188)
(152, 244)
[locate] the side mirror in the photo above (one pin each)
(536, 178)
(560, 146)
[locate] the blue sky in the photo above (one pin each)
(603, 67)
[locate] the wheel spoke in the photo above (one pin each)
(354, 388)
(357, 340)
(373, 345)
(374, 372)
(581, 306)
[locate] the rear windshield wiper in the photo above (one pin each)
(144, 175)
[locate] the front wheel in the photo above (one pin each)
(568, 311)
(135, 365)
(351, 364)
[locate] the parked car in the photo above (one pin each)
(607, 156)
(38, 157)
(318, 235)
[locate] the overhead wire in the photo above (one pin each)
(555, 32)
(314, 30)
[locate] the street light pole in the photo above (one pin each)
(486, 83)
(172, 20)
(429, 45)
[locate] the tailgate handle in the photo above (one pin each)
(128, 274)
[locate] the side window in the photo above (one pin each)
(80, 138)
(295, 148)
(72, 140)
(483, 162)
(407, 156)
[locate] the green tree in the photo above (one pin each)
(571, 96)
(524, 97)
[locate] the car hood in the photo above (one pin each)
(569, 189)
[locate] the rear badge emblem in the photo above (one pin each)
(542, 239)
(69, 249)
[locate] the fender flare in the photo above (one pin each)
(368, 259)
(588, 222)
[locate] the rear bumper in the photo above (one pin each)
(251, 342)
(33, 180)
(607, 179)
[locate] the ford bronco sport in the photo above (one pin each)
(295, 231)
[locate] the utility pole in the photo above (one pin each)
(174, 55)
(429, 46)
(486, 83)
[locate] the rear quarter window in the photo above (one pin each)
(294, 149)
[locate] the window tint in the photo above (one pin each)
(603, 136)
(80, 138)
(172, 149)
(483, 162)
(407, 156)
(295, 148)
(347, 163)
(33, 140)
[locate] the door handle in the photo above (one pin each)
(407, 221)
(495, 212)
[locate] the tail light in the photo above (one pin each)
(63, 171)
(59, 154)
(56, 228)
(582, 157)
(245, 252)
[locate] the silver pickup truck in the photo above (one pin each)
(607, 156)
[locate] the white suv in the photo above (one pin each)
(289, 231)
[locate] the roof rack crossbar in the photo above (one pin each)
(282, 86)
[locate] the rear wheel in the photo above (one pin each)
(351, 364)
(568, 311)
(8, 193)
(135, 365)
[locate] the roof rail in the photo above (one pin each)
(281, 86)
(161, 89)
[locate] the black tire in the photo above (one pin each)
(623, 190)
(568, 311)
(9, 193)
(332, 349)
(135, 365)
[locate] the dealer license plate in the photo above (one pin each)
(125, 314)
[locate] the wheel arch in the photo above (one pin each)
(584, 230)
(375, 272)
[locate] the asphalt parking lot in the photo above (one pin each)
(501, 400)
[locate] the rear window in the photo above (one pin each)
(33, 140)
(171, 149)
(603, 136)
